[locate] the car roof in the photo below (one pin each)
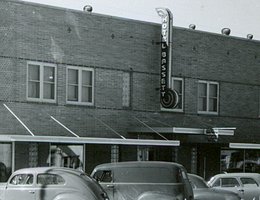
(237, 174)
(38, 170)
(137, 164)
(227, 175)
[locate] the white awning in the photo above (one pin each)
(87, 140)
(189, 131)
(244, 146)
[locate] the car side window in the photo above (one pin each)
(50, 179)
(216, 183)
(229, 182)
(249, 182)
(103, 176)
(22, 179)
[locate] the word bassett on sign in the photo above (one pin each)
(169, 97)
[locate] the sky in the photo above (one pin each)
(241, 16)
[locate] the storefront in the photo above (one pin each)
(241, 157)
(22, 151)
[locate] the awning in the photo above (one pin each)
(32, 133)
(87, 140)
(190, 131)
(244, 146)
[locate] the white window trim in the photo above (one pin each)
(208, 83)
(182, 99)
(80, 86)
(41, 99)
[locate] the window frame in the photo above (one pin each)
(182, 95)
(80, 70)
(208, 83)
(41, 82)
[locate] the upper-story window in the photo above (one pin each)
(208, 97)
(41, 82)
(178, 86)
(80, 85)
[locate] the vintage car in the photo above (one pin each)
(48, 183)
(144, 180)
(202, 191)
(246, 185)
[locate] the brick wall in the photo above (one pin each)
(112, 46)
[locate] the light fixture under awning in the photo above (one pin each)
(87, 140)
(244, 146)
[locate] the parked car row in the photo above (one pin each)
(150, 180)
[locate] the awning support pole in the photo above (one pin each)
(151, 128)
(109, 127)
(64, 127)
(18, 119)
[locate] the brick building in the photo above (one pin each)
(69, 78)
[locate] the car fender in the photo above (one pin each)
(157, 195)
(69, 196)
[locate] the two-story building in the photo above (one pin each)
(78, 89)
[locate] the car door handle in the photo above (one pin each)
(31, 192)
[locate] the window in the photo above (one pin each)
(249, 182)
(217, 183)
(229, 182)
(178, 86)
(41, 82)
(50, 179)
(22, 179)
(103, 176)
(65, 155)
(208, 97)
(80, 85)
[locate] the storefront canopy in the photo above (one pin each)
(244, 146)
(87, 140)
(188, 131)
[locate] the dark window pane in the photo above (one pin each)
(73, 93)
(86, 78)
(73, 76)
(86, 94)
(34, 90)
(34, 72)
(48, 91)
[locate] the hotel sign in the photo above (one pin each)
(169, 97)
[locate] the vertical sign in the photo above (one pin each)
(169, 97)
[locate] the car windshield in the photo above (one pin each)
(148, 174)
(197, 182)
